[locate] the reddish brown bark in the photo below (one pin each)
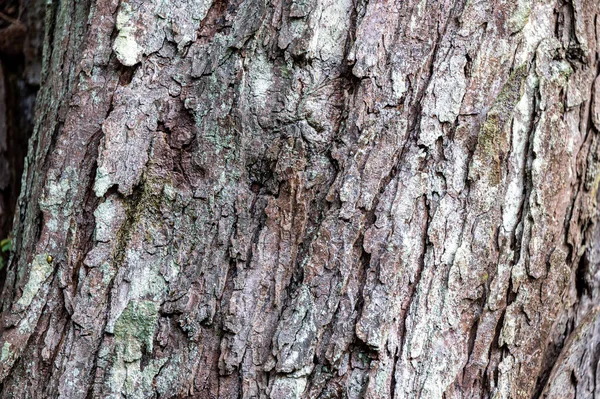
(310, 199)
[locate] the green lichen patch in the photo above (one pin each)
(493, 137)
(501, 111)
(511, 92)
(143, 200)
(39, 271)
(520, 16)
(134, 330)
(491, 141)
(134, 333)
(490, 133)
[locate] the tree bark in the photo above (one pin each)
(310, 199)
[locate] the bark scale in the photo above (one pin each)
(310, 199)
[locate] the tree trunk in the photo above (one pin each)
(310, 199)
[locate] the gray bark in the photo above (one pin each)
(310, 199)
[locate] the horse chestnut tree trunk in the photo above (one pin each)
(310, 199)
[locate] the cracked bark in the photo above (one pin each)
(310, 199)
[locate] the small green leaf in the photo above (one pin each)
(5, 244)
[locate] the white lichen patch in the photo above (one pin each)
(399, 82)
(126, 47)
(286, 387)
(133, 382)
(6, 353)
(103, 181)
(124, 148)
(260, 77)
(108, 216)
(128, 51)
(449, 92)
(56, 191)
(508, 332)
(330, 25)
(443, 101)
(56, 200)
(538, 23)
(40, 270)
(523, 115)
(146, 280)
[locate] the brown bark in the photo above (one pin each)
(310, 199)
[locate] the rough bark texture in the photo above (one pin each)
(310, 199)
